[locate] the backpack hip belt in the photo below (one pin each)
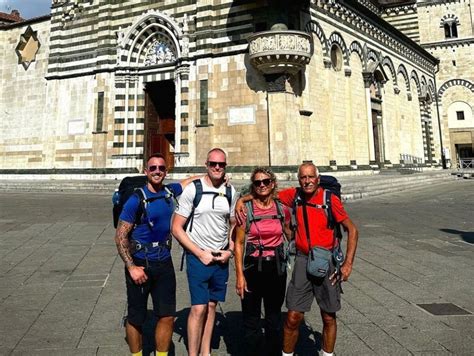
(279, 260)
(137, 246)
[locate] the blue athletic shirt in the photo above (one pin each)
(159, 212)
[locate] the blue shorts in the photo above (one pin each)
(206, 283)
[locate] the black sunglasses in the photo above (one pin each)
(154, 168)
(266, 182)
(214, 164)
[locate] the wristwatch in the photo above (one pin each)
(231, 252)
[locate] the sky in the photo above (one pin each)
(27, 8)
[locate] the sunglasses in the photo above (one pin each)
(214, 164)
(154, 168)
(266, 182)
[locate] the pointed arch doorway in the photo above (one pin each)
(160, 120)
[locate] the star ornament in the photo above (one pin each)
(27, 47)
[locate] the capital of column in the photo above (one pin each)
(368, 78)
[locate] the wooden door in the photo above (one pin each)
(160, 121)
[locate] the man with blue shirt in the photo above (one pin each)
(143, 241)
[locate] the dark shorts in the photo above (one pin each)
(161, 284)
(302, 289)
(206, 283)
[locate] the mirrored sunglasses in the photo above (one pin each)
(154, 168)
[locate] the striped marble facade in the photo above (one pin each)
(103, 54)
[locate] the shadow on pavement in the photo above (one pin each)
(309, 341)
(228, 328)
(467, 236)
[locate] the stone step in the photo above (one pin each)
(353, 187)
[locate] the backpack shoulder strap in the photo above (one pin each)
(198, 195)
(250, 215)
(328, 210)
(170, 194)
(294, 205)
(141, 211)
(197, 199)
(297, 196)
(228, 194)
(280, 211)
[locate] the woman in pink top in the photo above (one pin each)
(260, 265)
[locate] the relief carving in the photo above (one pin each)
(159, 53)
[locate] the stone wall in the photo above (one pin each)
(455, 78)
(26, 128)
(92, 65)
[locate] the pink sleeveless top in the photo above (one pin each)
(269, 231)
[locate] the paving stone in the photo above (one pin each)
(57, 351)
(32, 302)
(349, 343)
(48, 307)
(51, 337)
(9, 338)
(412, 338)
(377, 339)
(101, 338)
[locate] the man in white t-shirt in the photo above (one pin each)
(208, 248)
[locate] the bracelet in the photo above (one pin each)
(231, 252)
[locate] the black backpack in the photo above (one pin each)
(133, 185)
(197, 199)
(331, 186)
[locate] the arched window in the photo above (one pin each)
(447, 31)
(450, 25)
(450, 30)
(336, 57)
(454, 29)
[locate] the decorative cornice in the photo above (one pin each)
(371, 5)
(435, 2)
(398, 10)
(362, 20)
(457, 42)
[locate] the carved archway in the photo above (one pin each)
(337, 38)
(403, 71)
(315, 27)
(153, 39)
(455, 82)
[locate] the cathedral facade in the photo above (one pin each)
(446, 30)
(99, 85)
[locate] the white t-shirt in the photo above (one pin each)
(210, 226)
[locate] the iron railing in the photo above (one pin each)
(410, 163)
(466, 164)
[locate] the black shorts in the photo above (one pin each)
(161, 284)
(302, 289)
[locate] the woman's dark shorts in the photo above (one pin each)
(161, 284)
(303, 288)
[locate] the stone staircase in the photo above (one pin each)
(353, 187)
(367, 186)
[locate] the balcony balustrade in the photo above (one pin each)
(279, 52)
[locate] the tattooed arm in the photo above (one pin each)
(121, 241)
